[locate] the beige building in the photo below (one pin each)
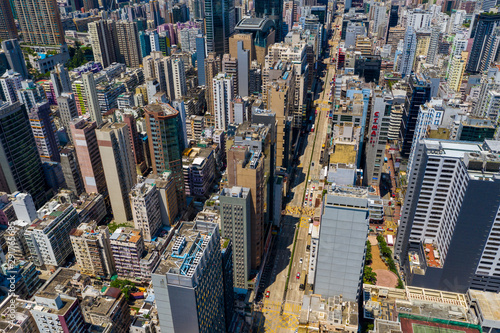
(456, 72)
(92, 250)
(166, 187)
(246, 169)
(127, 246)
(212, 68)
(119, 167)
(247, 45)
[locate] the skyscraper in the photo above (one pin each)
(200, 59)
(433, 45)
(272, 9)
(243, 69)
(483, 28)
(165, 145)
(8, 29)
(212, 68)
(449, 220)
(40, 22)
(15, 57)
(128, 43)
(179, 78)
(44, 131)
(191, 299)
(11, 83)
(223, 97)
(89, 159)
(246, 169)
(119, 168)
(235, 213)
(219, 25)
(419, 92)
(103, 41)
(408, 56)
(20, 165)
(89, 86)
(60, 80)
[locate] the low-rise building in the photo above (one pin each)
(198, 165)
(127, 245)
(109, 310)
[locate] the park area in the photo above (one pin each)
(384, 277)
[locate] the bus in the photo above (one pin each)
(390, 240)
(310, 228)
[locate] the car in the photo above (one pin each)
(390, 229)
(300, 260)
(268, 293)
(298, 275)
(305, 202)
(312, 164)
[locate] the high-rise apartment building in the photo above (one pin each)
(235, 213)
(128, 43)
(179, 78)
(230, 67)
(89, 159)
(103, 41)
(119, 168)
(448, 231)
(200, 59)
(484, 26)
(223, 96)
(40, 22)
(60, 80)
(167, 190)
(457, 70)
(212, 68)
(129, 119)
(145, 203)
(189, 298)
(48, 236)
(408, 56)
(20, 165)
(8, 29)
(30, 94)
(15, 57)
(11, 83)
(432, 51)
(71, 170)
(90, 88)
(246, 168)
(44, 131)
(127, 246)
(92, 249)
(165, 145)
(419, 92)
(243, 69)
(219, 25)
(342, 240)
(67, 110)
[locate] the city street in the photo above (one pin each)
(280, 310)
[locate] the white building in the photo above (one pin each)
(223, 97)
(144, 200)
(179, 78)
(11, 83)
(48, 236)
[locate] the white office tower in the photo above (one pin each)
(448, 235)
(408, 56)
(223, 97)
(90, 89)
(342, 241)
(418, 19)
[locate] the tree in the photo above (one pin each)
(369, 276)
